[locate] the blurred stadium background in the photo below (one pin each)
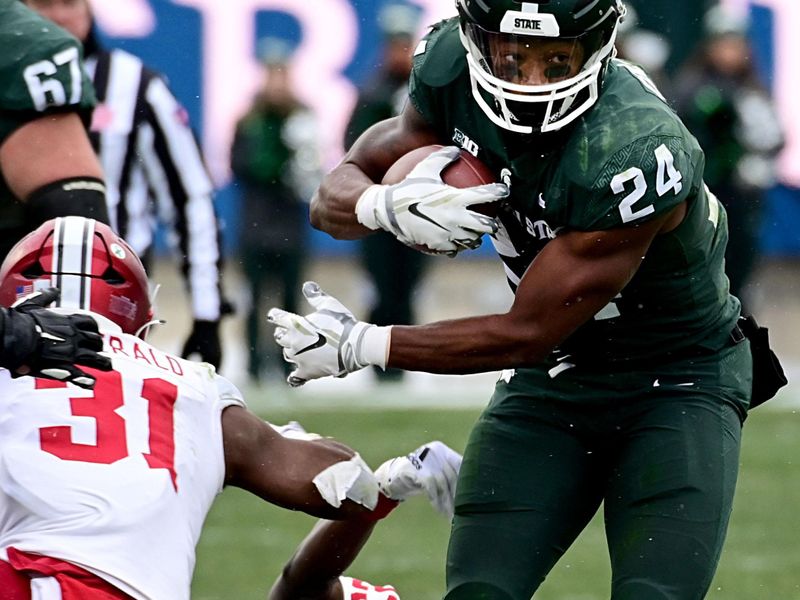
(207, 49)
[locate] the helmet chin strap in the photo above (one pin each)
(154, 293)
(144, 329)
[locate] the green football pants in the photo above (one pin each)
(659, 449)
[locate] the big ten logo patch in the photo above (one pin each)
(463, 140)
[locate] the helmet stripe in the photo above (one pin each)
(71, 261)
(55, 267)
(585, 9)
(88, 255)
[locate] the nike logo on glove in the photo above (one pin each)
(321, 341)
(416, 212)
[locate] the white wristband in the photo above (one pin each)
(374, 347)
(367, 204)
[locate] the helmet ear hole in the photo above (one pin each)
(112, 277)
(33, 271)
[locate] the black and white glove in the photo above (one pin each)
(204, 341)
(329, 341)
(423, 212)
(431, 469)
(42, 343)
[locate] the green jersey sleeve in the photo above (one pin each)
(43, 74)
(630, 160)
(641, 181)
(438, 61)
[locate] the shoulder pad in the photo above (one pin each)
(41, 71)
(629, 159)
(627, 118)
(440, 57)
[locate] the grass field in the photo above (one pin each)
(246, 542)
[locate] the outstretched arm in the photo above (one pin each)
(572, 278)
(322, 478)
(313, 572)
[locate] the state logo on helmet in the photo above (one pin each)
(95, 269)
(537, 66)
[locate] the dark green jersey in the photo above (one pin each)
(627, 160)
(41, 73)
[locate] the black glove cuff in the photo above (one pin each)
(81, 196)
(19, 339)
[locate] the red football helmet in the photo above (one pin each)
(95, 269)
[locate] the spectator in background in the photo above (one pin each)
(154, 170)
(393, 268)
(723, 103)
(644, 47)
(276, 161)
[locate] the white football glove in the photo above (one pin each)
(431, 469)
(329, 341)
(425, 213)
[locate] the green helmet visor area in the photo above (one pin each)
(529, 60)
(536, 67)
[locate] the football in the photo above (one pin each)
(465, 171)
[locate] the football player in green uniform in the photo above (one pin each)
(626, 378)
(47, 165)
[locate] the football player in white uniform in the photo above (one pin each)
(103, 492)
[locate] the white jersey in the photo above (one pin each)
(117, 480)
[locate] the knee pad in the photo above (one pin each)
(477, 591)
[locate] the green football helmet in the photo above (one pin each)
(537, 66)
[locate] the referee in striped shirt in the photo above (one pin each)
(154, 170)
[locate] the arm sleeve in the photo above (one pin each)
(184, 194)
(639, 182)
(44, 75)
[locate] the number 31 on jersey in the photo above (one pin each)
(111, 437)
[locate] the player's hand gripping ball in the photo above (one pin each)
(439, 200)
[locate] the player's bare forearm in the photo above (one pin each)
(377, 149)
(313, 571)
(281, 470)
(573, 277)
(333, 207)
(470, 345)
